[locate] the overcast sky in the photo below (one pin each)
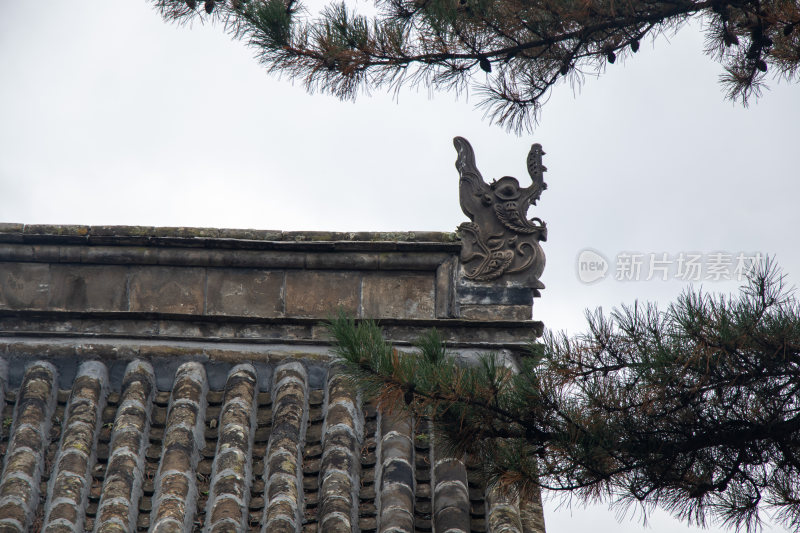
(109, 116)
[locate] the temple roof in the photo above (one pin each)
(179, 379)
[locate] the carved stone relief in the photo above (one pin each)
(500, 243)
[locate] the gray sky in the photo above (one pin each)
(109, 116)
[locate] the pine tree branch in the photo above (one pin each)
(524, 48)
(695, 409)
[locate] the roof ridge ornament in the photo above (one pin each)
(500, 243)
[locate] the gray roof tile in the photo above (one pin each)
(125, 457)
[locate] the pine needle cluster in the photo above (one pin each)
(694, 409)
(511, 52)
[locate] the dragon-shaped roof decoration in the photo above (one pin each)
(501, 242)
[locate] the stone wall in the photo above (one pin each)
(233, 273)
(217, 291)
(167, 295)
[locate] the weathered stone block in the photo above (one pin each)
(23, 461)
(229, 458)
(395, 519)
(63, 511)
(346, 261)
(453, 496)
(11, 233)
(16, 252)
(8, 227)
(473, 293)
(335, 524)
(245, 292)
(392, 295)
(74, 463)
(175, 484)
(339, 414)
(167, 290)
(412, 260)
(341, 436)
(176, 459)
(451, 470)
(227, 509)
(496, 312)
(14, 511)
(445, 289)
(235, 415)
(399, 473)
(336, 487)
(56, 229)
(24, 285)
(88, 288)
(453, 519)
(45, 253)
(339, 459)
(231, 485)
(398, 495)
(319, 294)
